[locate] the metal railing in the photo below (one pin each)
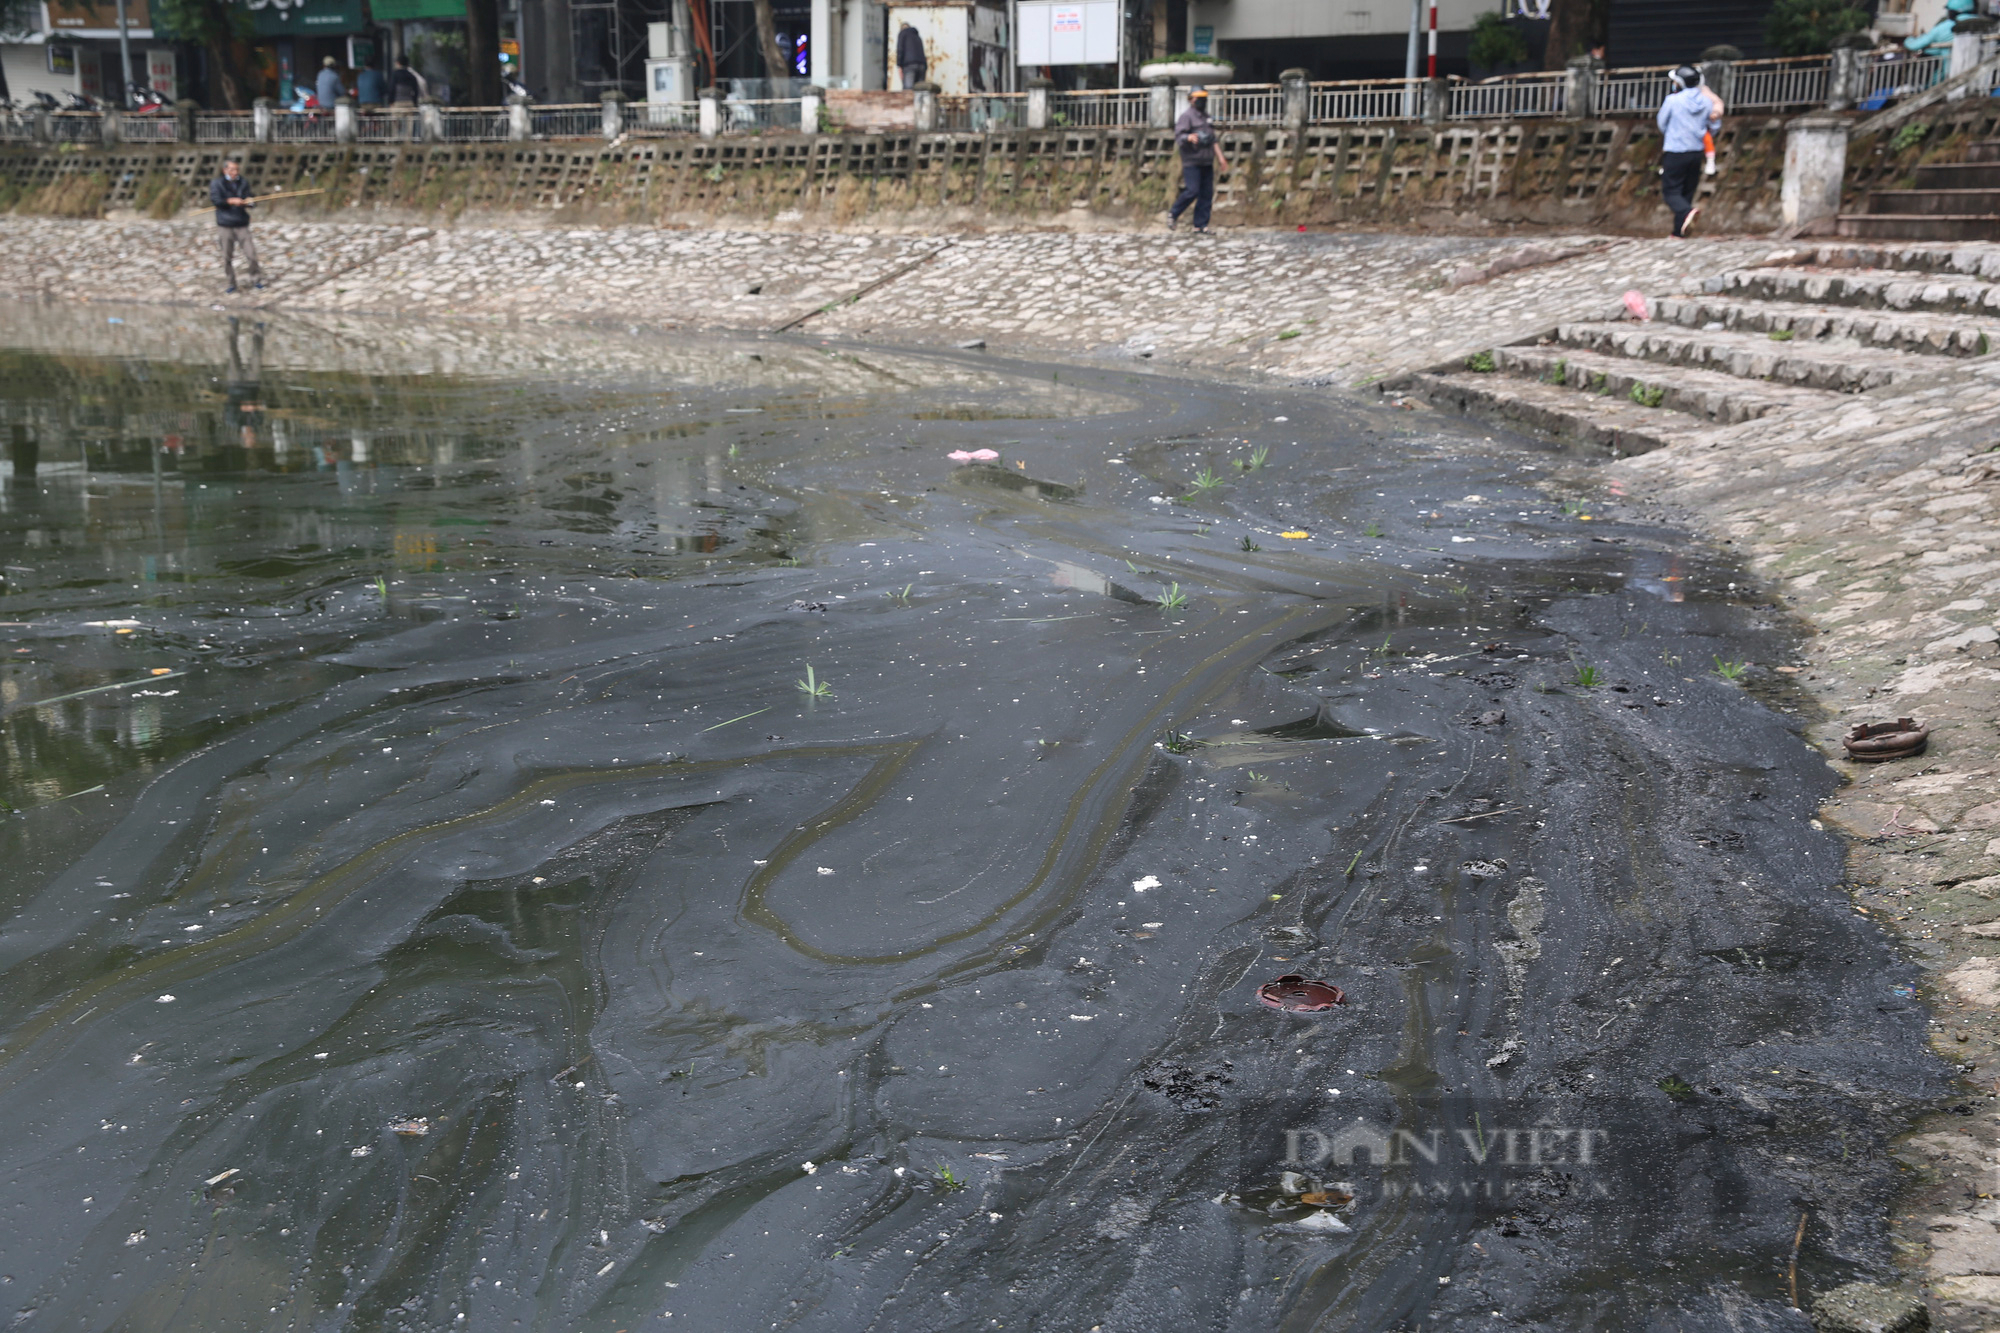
(155, 128)
(757, 115)
(225, 127)
(76, 127)
(302, 127)
(1797, 81)
(1508, 96)
(1110, 108)
(474, 124)
(1356, 100)
(1633, 91)
(652, 119)
(985, 111)
(568, 121)
(1247, 103)
(16, 126)
(1882, 81)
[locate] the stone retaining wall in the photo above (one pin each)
(1597, 174)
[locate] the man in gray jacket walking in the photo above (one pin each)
(1687, 114)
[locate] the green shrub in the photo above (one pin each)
(1810, 27)
(1495, 42)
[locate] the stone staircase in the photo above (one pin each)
(1955, 201)
(1807, 329)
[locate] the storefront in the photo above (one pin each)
(81, 51)
(293, 36)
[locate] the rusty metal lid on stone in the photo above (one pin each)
(1873, 742)
(1300, 995)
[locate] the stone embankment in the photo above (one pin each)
(1830, 412)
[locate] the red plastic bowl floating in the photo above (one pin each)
(1299, 995)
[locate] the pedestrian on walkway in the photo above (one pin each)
(368, 88)
(328, 86)
(405, 87)
(910, 56)
(1201, 158)
(231, 196)
(1686, 117)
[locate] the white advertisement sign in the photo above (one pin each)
(1068, 32)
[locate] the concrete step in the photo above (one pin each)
(1919, 226)
(1868, 284)
(1936, 203)
(1596, 380)
(1940, 333)
(1985, 150)
(1959, 176)
(1838, 368)
(1607, 422)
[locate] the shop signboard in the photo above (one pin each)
(96, 15)
(305, 18)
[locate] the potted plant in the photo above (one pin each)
(1187, 67)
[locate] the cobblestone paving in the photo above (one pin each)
(1872, 514)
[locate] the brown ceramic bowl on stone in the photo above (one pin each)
(1874, 742)
(1300, 995)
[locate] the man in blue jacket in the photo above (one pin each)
(231, 197)
(1686, 115)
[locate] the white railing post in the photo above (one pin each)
(107, 126)
(926, 108)
(260, 120)
(1160, 102)
(613, 105)
(1843, 78)
(1038, 104)
(344, 130)
(520, 124)
(809, 104)
(1296, 99)
(1580, 88)
(1815, 169)
(710, 122)
(430, 114)
(1437, 101)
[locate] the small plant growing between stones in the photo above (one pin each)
(1173, 599)
(1248, 544)
(1588, 677)
(1372, 530)
(1559, 373)
(1729, 670)
(1480, 362)
(1205, 481)
(1779, 335)
(1648, 395)
(814, 687)
(1909, 136)
(1262, 452)
(1677, 1088)
(1179, 742)
(1600, 383)
(1289, 334)
(948, 1182)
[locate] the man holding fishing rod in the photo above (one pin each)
(232, 199)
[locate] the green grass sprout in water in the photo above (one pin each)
(949, 1182)
(1729, 670)
(1205, 481)
(814, 687)
(1250, 545)
(1173, 599)
(1588, 677)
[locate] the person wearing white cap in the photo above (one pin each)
(1686, 116)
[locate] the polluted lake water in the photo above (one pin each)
(571, 830)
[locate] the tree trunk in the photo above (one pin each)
(1574, 27)
(482, 52)
(225, 82)
(776, 66)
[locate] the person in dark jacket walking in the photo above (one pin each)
(368, 87)
(910, 56)
(231, 197)
(1201, 157)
